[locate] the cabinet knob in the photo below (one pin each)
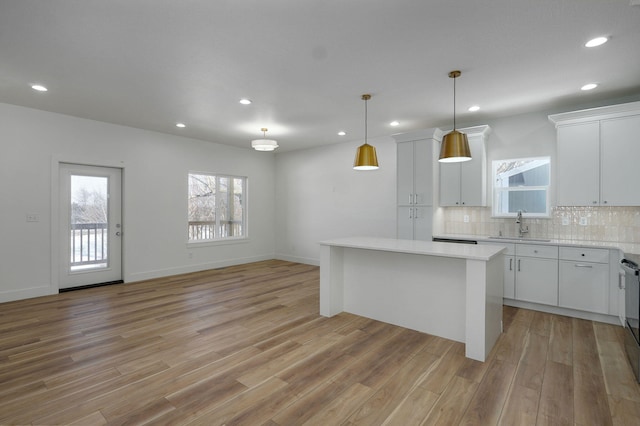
(457, 202)
(605, 202)
(582, 255)
(463, 202)
(535, 251)
(595, 202)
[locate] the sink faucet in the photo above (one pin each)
(521, 228)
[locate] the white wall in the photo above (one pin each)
(155, 169)
(319, 196)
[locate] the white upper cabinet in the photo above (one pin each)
(596, 156)
(465, 184)
(578, 165)
(415, 172)
(620, 144)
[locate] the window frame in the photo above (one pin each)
(217, 240)
(496, 191)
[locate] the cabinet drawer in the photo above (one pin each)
(584, 254)
(535, 250)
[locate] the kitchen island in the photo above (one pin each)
(448, 290)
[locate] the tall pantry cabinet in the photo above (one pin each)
(415, 179)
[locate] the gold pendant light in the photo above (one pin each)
(366, 158)
(455, 145)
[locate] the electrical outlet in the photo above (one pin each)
(565, 221)
(583, 221)
(466, 218)
(32, 217)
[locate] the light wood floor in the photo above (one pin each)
(245, 345)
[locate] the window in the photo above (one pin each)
(217, 207)
(521, 185)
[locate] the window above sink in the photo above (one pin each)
(521, 184)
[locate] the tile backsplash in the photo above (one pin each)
(617, 224)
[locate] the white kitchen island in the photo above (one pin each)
(445, 289)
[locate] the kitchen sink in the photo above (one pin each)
(520, 239)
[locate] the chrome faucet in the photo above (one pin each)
(521, 228)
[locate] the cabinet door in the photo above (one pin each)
(422, 223)
(509, 277)
(449, 184)
(620, 154)
(423, 171)
(405, 223)
(405, 173)
(584, 286)
(578, 165)
(473, 179)
(537, 280)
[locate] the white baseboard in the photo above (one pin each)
(26, 293)
(165, 272)
(296, 259)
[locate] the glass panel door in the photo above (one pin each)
(90, 225)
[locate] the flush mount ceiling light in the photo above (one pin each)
(181, 125)
(264, 144)
(595, 42)
(394, 123)
(366, 158)
(589, 86)
(455, 146)
(245, 101)
(39, 87)
(342, 133)
(474, 108)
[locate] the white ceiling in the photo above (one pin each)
(305, 63)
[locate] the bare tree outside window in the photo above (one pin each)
(216, 207)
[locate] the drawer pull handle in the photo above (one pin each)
(582, 265)
(511, 264)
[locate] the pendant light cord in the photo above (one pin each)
(365, 120)
(454, 103)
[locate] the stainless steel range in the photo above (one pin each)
(632, 312)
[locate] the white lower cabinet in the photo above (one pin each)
(577, 278)
(510, 277)
(584, 279)
(537, 280)
(414, 223)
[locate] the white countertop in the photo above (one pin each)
(426, 248)
(612, 245)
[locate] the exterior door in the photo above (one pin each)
(90, 225)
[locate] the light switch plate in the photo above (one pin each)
(32, 217)
(583, 221)
(466, 218)
(565, 221)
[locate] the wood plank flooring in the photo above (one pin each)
(246, 345)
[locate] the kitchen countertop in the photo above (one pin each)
(427, 248)
(633, 249)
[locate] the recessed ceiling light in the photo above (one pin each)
(342, 133)
(589, 86)
(394, 123)
(598, 41)
(181, 125)
(474, 108)
(245, 101)
(39, 88)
